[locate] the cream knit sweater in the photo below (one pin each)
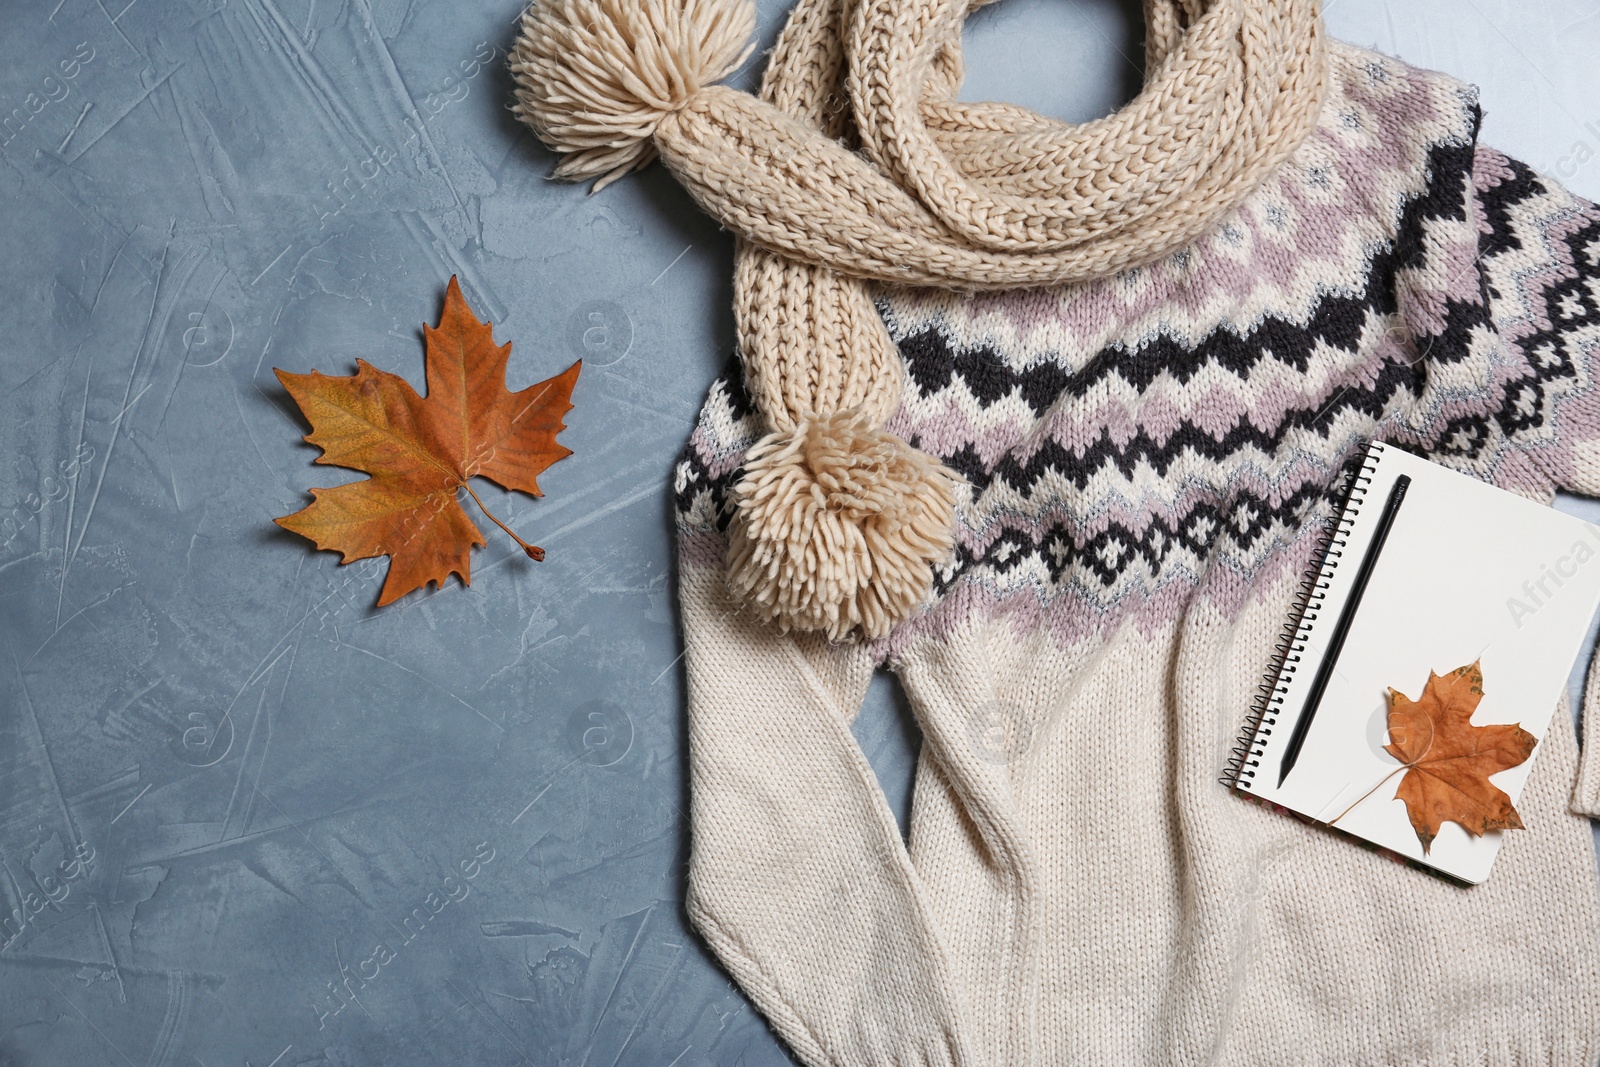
(1147, 457)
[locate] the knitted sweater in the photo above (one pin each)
(1149, 458)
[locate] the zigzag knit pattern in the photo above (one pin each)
(1124, 439)
(1148, 458)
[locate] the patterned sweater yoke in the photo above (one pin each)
(1148, 458)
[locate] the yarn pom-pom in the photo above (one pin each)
(594, 78)
(837, 525)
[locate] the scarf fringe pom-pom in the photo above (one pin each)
(594, 78)
(837, 526)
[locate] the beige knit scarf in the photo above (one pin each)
(856, 164)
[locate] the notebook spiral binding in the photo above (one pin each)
(1312, 592)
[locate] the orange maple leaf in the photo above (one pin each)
(421, 450)
(1448, 760)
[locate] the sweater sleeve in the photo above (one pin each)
(798, 878)
(1538, 258)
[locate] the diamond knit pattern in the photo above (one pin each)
(1124, 439)
(1148, 459)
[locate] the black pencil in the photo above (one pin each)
(1341, 630)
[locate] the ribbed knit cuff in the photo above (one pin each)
(1586, 784)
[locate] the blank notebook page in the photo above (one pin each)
(1469, 572)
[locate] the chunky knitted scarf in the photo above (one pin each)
(856, 164)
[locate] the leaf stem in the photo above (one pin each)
(534, 551)
(1368, 793)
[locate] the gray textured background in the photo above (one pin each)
(232, 776)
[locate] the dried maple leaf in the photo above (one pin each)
(1448, 760)
(421, 450)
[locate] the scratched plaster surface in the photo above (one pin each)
(246, 817)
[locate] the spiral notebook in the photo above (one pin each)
(1426, 571)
